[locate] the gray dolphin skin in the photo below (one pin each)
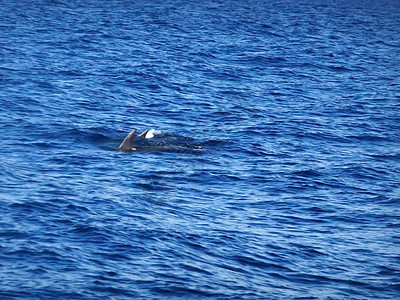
(127, 144)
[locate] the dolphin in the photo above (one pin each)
(127, 144)
(173, 143)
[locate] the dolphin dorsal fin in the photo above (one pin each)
(127, 143)
(143, 134)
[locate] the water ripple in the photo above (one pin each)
(294, 107)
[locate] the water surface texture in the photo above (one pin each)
(285, 182)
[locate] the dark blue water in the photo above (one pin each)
(295, 106)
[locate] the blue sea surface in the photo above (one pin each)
(283, 181)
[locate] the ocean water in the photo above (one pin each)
(281, 179)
